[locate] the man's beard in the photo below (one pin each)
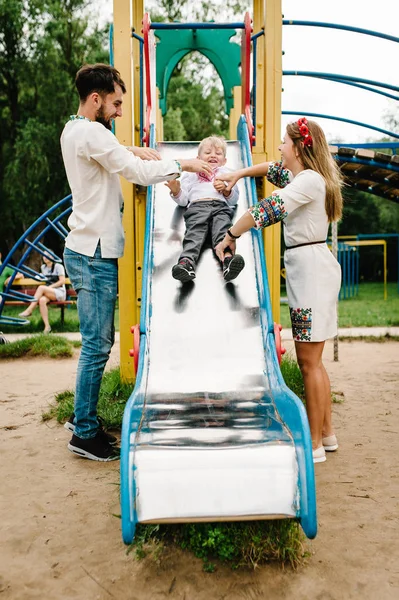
(100, 118)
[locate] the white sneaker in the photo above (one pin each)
(330, 443)
(319, 455)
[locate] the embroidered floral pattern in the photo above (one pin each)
(277, 175)
(301, 320)
(268, 211)
(206, 177)
(78, 118)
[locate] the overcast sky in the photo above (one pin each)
(339, 52)
(344, 53)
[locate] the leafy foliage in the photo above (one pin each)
(192, 114)
(238, 544)
(42, 45)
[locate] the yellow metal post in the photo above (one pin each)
(235, 112)
(259, 17)
(140, 192)
(124, 132)
(385, 271)
(272, 135)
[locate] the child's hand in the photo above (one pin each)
(220, 186)
(174, 186)
(229, 179)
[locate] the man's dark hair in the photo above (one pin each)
(98, 78)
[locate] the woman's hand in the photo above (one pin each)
(227, 242)
(228, 180)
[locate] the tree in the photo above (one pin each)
(200, 114)
(195, 99)
(42, 45)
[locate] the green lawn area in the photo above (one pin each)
(368, 309)
(71, 322)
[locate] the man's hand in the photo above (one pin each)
(195, 165)
(144, 153)
(174, 186)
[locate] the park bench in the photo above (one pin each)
(28, 286)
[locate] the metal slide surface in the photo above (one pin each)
(202, 437)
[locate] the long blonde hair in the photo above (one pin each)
(318, 158)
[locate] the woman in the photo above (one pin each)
(54, 274)
(310, 198)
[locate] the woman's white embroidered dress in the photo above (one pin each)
(313, 276)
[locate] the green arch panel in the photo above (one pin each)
(215, 44)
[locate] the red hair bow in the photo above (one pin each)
(304, 131)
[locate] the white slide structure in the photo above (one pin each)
(210, 432)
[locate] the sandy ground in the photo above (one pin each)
(60, 540)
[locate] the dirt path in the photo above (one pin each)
(60, 540)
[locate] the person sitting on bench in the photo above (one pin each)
(53, 291)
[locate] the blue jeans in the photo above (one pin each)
(95, 281)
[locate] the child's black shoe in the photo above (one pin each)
(184, 270)
(232, 266)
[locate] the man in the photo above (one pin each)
(93, 160)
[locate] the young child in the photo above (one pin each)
(210, 208)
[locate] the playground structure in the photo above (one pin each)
(212, 433)
(203, 420)
(178, 441)
(348, 255)
(374, 172)
(31, 243)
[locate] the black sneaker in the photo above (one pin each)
(232, 266)
(96, 448)
(184, 270)
(70, 426)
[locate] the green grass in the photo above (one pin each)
(237, 544)
(368, 309)
(39, 345)
(293, 376)
(113, 397)
(71, 322)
